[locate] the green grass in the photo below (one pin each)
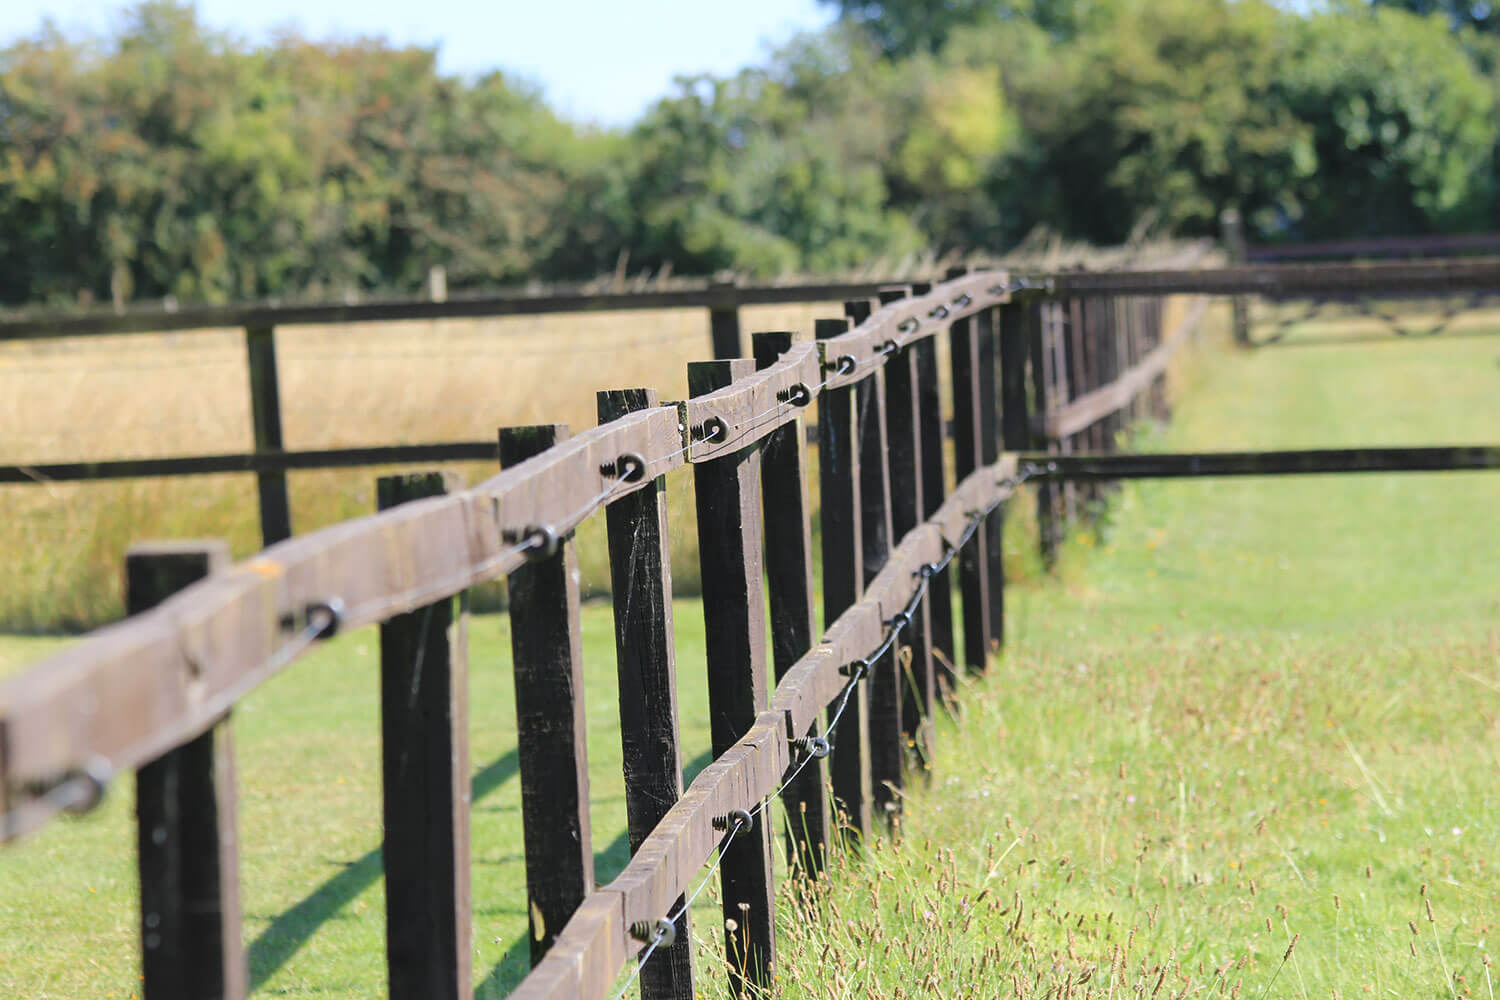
(1242, 711)
(1249, 712)
(308, 753)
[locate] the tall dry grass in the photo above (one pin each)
(96, 398)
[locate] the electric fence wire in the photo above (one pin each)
(665, 932)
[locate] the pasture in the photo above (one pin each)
(1243, 713)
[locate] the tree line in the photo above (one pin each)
(167, 158)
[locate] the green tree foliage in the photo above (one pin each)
(172, 160)
(1403, 125)
(1481, 15)
(169, 159)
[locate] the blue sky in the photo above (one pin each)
(596, 60)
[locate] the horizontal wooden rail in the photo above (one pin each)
(272, 461)
(1312, 462)
(208, 317)
(1396, 246)
(596, 942)
(1382, 279)
(1090, 408)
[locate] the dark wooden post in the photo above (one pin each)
(1233, 230)
(790, 583)
(640, 570)
(191, 944)
(913, 653)
(727, 491)
(934, 489)
(546, 647)
(424, 724)
(1037, 334)
(987, 333)
(884, 722)
(265, 419)
(968, 436)
(1015, 344)
(724, 321)
(843, 578)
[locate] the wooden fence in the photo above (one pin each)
(154, 693)
(1057, 365)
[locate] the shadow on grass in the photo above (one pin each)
(292, 928)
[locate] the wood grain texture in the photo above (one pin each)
(727, 490)
(186, 820)
(789, 577)
(754, 406)
(424, 726)
(640, 568)
(551, 733)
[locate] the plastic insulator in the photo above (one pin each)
(817, 746)
(713, 429)
(927, 570)
(941, 312)
(899, 620)
(663, 933)
(541, 542)
(908, 325)
(846, 364)
(92, 779)
(798, 395)
(332, 611)
(890, 347)
(739, 820)
(630, 467)
(962, 302)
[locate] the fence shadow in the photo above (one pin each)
(285, 936)
(275, 946)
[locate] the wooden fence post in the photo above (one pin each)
(424, 725)
(265, 419)
(727, 490)
(789, 577)
(551, 735)
(934, 489)
(968, 419)
(191, 944)
(884, 726)
(987, 334)
(724, 321)
(640, 571)
(843, 579)
(1037, 334)
(914, 678)
(1233, 230)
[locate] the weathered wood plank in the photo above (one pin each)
(753, 407)
(551, 734)
(912, 656)
(789, 577)
(727, 491)
(640, 568)
(968, 435)
(186, 815)
(424, 724)
(884, 686)
(850, 357)
(843, 576)
(986, 332)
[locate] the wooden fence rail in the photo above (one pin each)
(157, 689)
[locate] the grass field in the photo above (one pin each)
(1249, 713)
(1244, 713)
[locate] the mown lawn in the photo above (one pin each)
(1249, 713)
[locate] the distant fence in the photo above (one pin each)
(153, 694)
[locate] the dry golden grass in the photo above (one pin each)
(95, 398)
